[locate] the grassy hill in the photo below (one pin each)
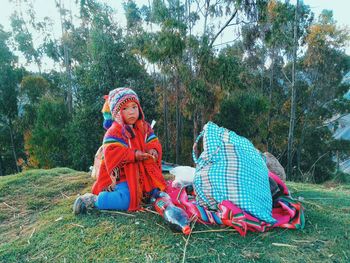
(37, 224)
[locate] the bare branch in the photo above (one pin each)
(314, 164)
(332, 120)
(286, 77)
(222, 29)
(243, 22)
(227, 42)
(199, 9)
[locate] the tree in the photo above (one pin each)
(324, 67)
(49, 141)
(23, 24)
(282, 27)
(186, 60)
(67, 80)
(293, 95)
(9, 79)
(32, 89)
(101, 60)
(239, 111)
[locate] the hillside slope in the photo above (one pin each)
(37, 224)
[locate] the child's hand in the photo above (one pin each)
(141, 156)
(154, 154)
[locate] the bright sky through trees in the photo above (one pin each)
(48, 8)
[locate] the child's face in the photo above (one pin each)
(130, 112)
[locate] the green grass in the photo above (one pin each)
(37, 224)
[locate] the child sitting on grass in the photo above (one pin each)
(131, 166)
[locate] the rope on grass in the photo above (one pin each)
(160, 225)
(73, 224)
(302, 241)
(312, 203)
(214, 230)
(64, 195)
(151, 211)
(283, 245)
(31, 236)
(185, 248)
(116, 212)
(13, 208)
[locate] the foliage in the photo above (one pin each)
(84, 136)
(8, 79)
(341, 178)
(23, 23)
(132, 14)
(324, 66)
(239, 111)
(48, 139)
(11, 141)
(32, 89)
(104, 64)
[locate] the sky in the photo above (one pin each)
(48, 8)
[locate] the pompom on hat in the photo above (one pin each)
(106, 112)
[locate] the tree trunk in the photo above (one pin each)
(197, 128)
(38, 63)
(195, 124)
(1, 172)
(293, 98)
(300, 148)
(338, 162)
(272, 73)
(178, 120)
(69, 89)
(188, 7)
(13, 147)
(166, 129)
(69, 83)
(207, 3)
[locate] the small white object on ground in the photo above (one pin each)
(184, 175)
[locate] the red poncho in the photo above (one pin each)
(118, 165)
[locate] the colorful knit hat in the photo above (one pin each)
(120, 96)
(113, 103)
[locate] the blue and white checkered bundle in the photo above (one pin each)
(230, 168)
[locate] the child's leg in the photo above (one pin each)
(119, 199)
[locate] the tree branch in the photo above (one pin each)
(286, 77)
(314, 164)
(242, 22)
(227, 42)
(199, 9)
(332, 121)
(222, 29)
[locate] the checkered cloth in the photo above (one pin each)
(230, 168)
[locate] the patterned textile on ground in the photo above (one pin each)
(287, 212)
(231, 169)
